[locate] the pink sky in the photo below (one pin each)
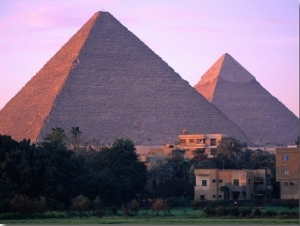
(262, 35)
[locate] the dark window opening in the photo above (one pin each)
(213, 142)
(236, 182)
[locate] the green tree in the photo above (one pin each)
(230, 145)
(75, 137)
(119, 175)
(172, 177)
(56, 138)
(48, 170)
(206, 164)
(297, 142)
(262, 159)
(15, 172)
(230, 153)
(199, 156)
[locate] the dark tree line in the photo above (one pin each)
(233, 154)
(171, 177)
(55, 176)
(52, 173)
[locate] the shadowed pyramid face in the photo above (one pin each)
(264, 119)
(110, 84)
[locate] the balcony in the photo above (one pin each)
(236, 188)
(260, 187)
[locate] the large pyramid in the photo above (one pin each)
(264, 119)
(110, 84)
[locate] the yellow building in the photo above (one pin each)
(207, 142)
(287, 172)
(215, 184)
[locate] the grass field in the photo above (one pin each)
(153, 220)
(179, 217)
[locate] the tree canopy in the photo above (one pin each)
(50, 170)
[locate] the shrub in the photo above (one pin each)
(234, 211)
(98, 206)
(54, 204)
(80, 203)
(245, 212)
(290, 203)
(196, 204)
(175, 202)
(209, 211)
(6, 216)
(257, 213)
(221, 211)
(21, 204)
(269, 213)
(134, 206)
(124, 210)
(161, 205)
(289, 214)
(41, 204)
(54, 214)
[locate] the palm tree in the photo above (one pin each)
(57, 137)
(75, 137)
(297, 142)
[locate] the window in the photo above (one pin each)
(213, 142)
(236, 182)
(220, 196)
(249, 181)
(204, 182)
(202, 197)
(286, 158)
(214, 181)
(191, 141)
(214, 196)
(201, 141)
(213, 151)
(286, 171)
(285, 184)
(220, 181)
(183, 141)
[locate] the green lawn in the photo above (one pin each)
(154, 220)
(178, 216)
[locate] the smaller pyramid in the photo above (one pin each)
(232, 89)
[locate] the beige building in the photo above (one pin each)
(152, 155)
(215, 184)
(207, 142)
(287, 172)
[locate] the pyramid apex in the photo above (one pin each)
(233, 71)
(102, 13)
(225, 68)
(227, 56)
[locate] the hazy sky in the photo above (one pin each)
(190, 35)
